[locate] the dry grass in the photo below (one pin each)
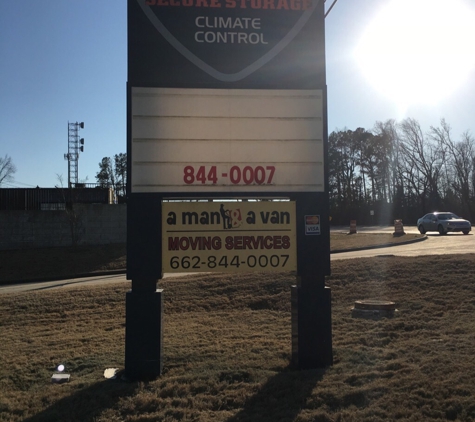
(48, 263)
(227, 350)
(345, 241)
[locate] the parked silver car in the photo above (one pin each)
(443, 222)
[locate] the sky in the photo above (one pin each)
(63, 62)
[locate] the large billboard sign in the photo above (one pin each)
(215, 43)
(229, 236)
(226, 149)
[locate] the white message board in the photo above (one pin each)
(225, 140)
(229, 236)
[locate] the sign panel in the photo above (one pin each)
(224, 236)
(196, 140)
(214, 43)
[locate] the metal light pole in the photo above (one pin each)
(75, 145)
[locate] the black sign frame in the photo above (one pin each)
(157, 58)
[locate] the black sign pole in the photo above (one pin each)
(144, 302)
(313, 298)
(312, 330)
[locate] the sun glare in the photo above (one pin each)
(418, 51)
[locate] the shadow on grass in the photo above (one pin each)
(86, 404)
(281, 398)
(60, 262)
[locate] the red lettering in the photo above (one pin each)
(295, 4)
(194, 243)
(257, 242)
(285, 242)
(184, 243)
(216, 243)
(205, 244)
(237, 242)
(246, 242)
(268, 242)
(173, 244)
(268, 4)
(200, 243)
(243, 4)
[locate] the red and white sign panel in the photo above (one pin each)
(216, 140)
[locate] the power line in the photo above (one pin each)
(14, 184)
(331, 7)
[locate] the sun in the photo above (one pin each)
(418, 51)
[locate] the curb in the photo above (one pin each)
(59, 278)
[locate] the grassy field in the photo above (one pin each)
(47, 263)
(227, 350)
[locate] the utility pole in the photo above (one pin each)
(75, 145)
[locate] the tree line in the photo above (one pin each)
(398, 171)
(394, 171)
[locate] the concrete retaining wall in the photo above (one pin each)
(96, 224)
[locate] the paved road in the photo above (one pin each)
(435, 244)
(453, 243)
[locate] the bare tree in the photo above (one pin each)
(343, 157)
(401, 168)
(7, 169)
(423, 163)
(374, 161)
(459, 163)
(388, 133)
